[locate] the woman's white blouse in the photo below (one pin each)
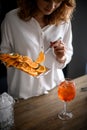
(28, 38)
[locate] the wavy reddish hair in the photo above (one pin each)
(28, 8)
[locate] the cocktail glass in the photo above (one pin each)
(66, 93)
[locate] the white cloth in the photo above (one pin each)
(28, 38)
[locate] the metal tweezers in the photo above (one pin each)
(47, 50)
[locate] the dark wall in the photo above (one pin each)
(5, 6)
(77, 67)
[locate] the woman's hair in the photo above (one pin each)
(28, 8)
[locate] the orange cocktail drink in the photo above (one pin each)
(66, 93)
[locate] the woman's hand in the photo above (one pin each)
(59, 50)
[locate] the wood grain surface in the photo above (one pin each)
(40, 113)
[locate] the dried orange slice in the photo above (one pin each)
(13, 55)
(41, 58)
(10, 62)
(29, 61)
(24, 67)
(41, 69)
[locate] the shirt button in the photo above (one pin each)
(42, 34)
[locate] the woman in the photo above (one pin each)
(32, 28)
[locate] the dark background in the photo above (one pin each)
(5, 6)
(77, 67)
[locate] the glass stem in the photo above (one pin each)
(64, 107)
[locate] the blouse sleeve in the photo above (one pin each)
(67, 39)
(6, 36)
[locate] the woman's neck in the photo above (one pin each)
(40, 18)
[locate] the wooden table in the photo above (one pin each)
(40, 113)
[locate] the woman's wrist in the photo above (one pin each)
(61, 60)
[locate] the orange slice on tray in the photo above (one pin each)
(13, 55)
(25, 63)
(41, 69)
(26, 68)
(41, 58)
(29, 61)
